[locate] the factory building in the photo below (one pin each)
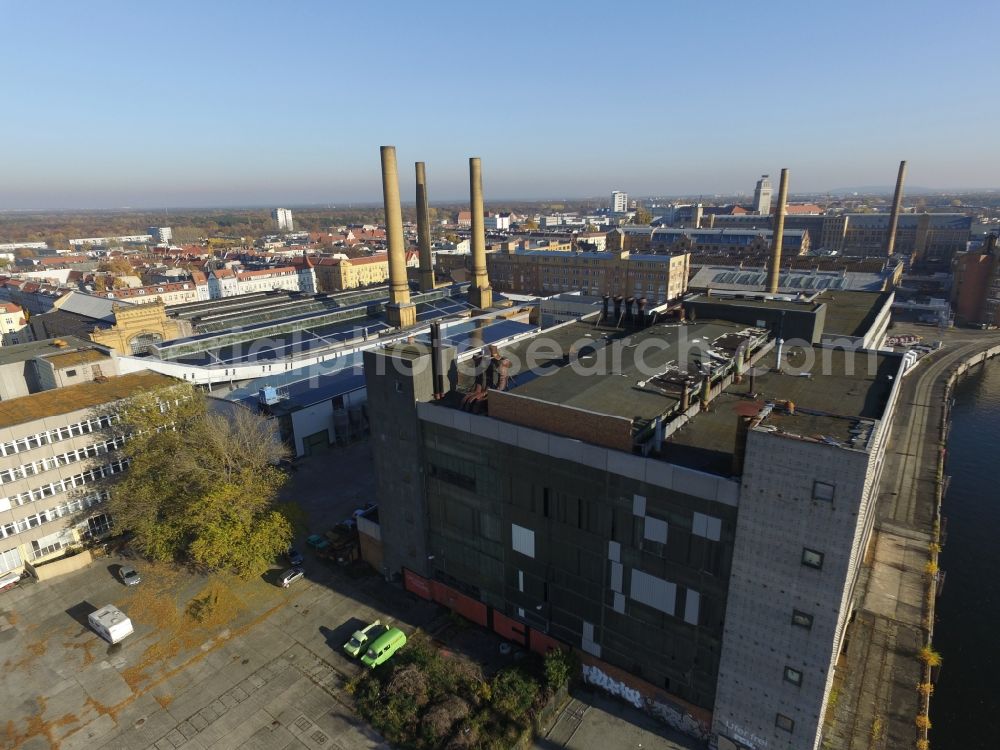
(683, 501)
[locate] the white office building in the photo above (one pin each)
(619, 202)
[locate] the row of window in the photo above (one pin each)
(61, 459)
(47, 516)
(47, 437)
(63, 485)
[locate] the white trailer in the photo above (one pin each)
(111, 623)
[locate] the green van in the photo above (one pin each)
(383, 647)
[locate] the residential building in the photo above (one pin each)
(122, 239)
(229, 282)
(695, 537)
(762, 196)
(9, 247)
(161, 235)
(658, 278)
(283, 219)
(619, 202)
(172, 293)
(340, 274)
(13, 325)
(55, 448)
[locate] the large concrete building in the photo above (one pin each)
(51, 363)
(975, 293)
(926, 238)
(55, 448)
(619, 202)
(685, 503)
(729, 242)
(762, 196)
(658, 278)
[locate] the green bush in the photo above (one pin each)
(513, 694)
(560, 668)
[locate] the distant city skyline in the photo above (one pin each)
(230, 108)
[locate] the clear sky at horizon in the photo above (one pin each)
(226, 102)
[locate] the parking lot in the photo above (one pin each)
(214, 662)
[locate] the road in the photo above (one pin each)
(875, 701)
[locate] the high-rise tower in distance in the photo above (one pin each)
(762, 196)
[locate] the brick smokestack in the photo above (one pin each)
(480, 293)
(778, 235)
(424, 232)
(400, 311)
(897, 204)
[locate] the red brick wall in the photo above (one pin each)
(464, 605)
(510, 629)
(597, 429)
(417, 584)
(541, 643)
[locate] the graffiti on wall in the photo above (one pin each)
(670, 714)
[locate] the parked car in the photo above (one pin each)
(317, 541)
(129, 575)
(384, 647)
(9, 581)
(294, 558)
(290, 576)
(356, 646)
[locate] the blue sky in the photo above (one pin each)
(112, 104)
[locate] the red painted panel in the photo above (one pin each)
(541, 643)
(510, 629)
(417, 584)
(454, 600)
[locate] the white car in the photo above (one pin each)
(290, 576)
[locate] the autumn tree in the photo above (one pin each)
(117, 266)
(642, 216)
(201, 486)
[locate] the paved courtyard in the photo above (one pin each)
(216, 662)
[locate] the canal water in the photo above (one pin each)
(965, 709)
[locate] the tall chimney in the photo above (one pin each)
(778, 235)
(400, 312)
(424, 232)
(480, 293)
(897, 203)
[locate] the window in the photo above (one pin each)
(801, 619)
(811, 558)
(823, 491)
(793, 676)
(70, 373)
(783, 722)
